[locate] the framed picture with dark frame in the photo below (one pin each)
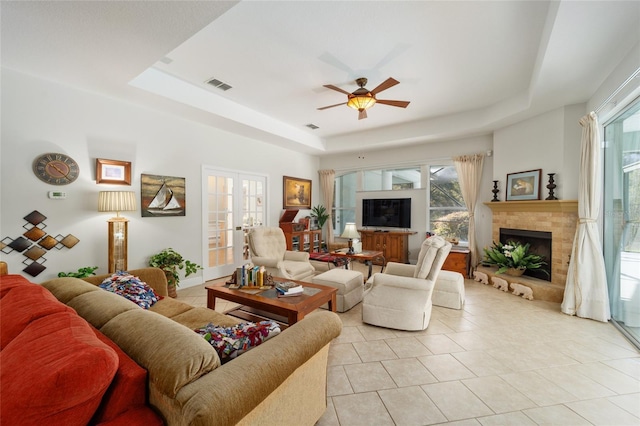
(524, 185)
(296, 193)
(113, 172)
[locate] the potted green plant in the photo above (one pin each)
(512, 258)
(320, 214)
(82, 272)
(171, 262)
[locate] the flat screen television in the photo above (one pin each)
(387, 212)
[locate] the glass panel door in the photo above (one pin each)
(622, 218)
(233, 204)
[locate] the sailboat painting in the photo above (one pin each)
(162, 196)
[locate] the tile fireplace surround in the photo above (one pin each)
(558, 217)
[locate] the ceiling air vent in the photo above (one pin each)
(218, 84)
(312, 126)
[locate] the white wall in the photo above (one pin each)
(40, 116)
(550, 141)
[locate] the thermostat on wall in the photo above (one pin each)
(57, 195)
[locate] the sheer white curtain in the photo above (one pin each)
(586, 293)
(327, 178)
(469, 168)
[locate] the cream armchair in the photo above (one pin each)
(268, 248)
(400, 297)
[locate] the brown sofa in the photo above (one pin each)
(282, 381)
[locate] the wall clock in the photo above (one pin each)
(56, 169)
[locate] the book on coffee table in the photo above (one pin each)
(289, 289)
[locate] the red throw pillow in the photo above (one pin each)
(54, 372)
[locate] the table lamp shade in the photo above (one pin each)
(350, 232)
(116, 201)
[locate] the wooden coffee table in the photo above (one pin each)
(265, 303)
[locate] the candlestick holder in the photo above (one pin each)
(495, 191)
(551, 186)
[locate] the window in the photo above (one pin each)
(391, 179)
(344, 201)
(448, 215)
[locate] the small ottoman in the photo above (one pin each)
(348, 283)
(449, 290)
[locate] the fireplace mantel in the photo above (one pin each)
(566, 206)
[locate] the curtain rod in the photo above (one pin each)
(622, 86)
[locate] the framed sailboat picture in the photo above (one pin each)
(162, 196)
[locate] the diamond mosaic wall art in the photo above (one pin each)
(36, 244)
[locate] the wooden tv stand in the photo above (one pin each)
(394, 244)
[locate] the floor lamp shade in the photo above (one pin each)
(117, 201)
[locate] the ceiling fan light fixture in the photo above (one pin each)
(361, 102)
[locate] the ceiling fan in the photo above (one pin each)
(363, 99)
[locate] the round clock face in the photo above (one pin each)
(56, 169)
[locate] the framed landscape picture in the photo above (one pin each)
(523, 185)
(296, 193)
(113, 172)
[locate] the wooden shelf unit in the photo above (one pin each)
(309, 241)
(394, 244)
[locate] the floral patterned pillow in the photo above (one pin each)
(132, 288)
(232, 341)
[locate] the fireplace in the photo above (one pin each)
(557, 217)
(539, 243)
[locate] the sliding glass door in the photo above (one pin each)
(622, 218)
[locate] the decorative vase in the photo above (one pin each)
(515, 272)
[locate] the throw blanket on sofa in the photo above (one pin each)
(230, 342)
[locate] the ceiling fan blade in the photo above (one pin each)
(337, 89)
(362, 114)
(390, 82)
(401, 104)
(331, 106)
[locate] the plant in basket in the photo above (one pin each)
(171, 262)
(512, 258)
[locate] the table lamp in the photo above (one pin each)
(117, 201)
(350, 232)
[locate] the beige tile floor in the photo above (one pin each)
(502, 360)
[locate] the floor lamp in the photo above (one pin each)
(117, 201)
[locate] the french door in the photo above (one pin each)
(233, 202)
(622, 218)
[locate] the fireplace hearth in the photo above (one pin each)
(539, 243)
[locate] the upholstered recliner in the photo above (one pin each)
(268, 248)
(400, 297)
